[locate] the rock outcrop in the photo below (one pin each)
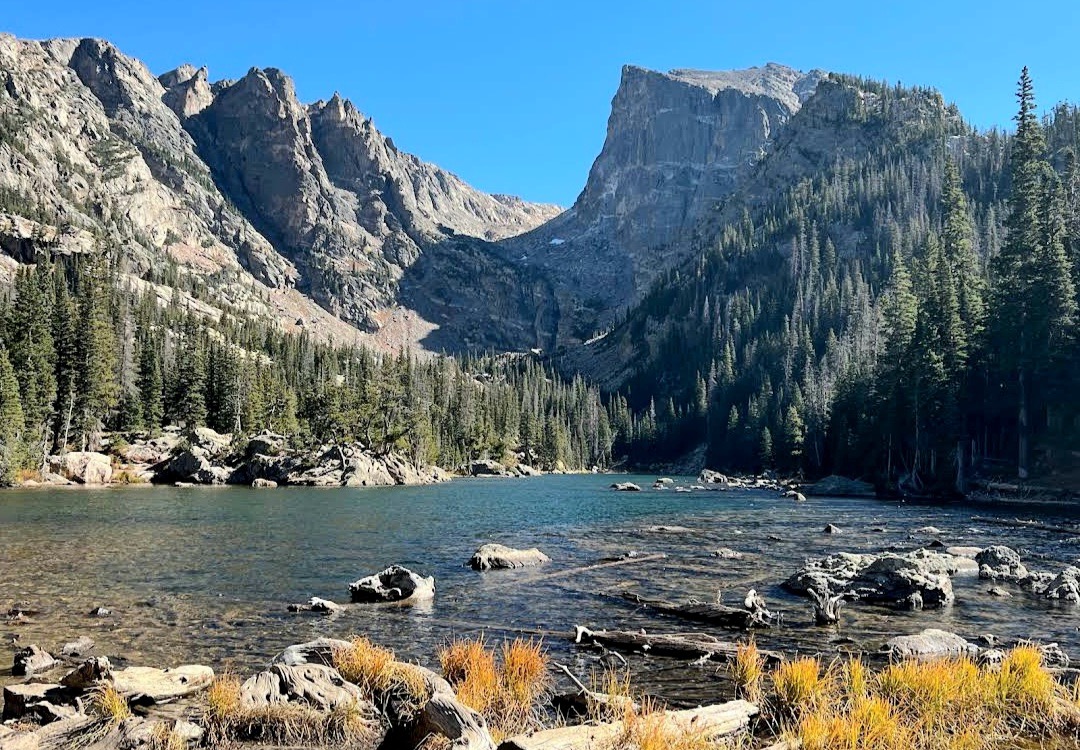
(395, 584)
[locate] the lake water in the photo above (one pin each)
(204, 575)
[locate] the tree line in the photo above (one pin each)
(85, 352)
(907, 315)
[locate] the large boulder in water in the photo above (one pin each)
(1000, 563)
(1065, 587)
(498, 556)
(912, 579)
(32, 660)
(836, 486)
(84, 467)
(487, 468)
(929, 644)
(394, 584)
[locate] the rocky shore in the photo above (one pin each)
(265, 460)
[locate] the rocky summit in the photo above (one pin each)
(302, 213)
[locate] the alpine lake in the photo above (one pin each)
(204, 575)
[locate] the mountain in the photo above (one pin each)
(271, 204)
(678, 145)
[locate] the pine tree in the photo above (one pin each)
(96, 384)
(33, 357)
(11, 421)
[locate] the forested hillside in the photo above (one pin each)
(908, 310)
(82, 352)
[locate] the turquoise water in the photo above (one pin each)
(204, 575)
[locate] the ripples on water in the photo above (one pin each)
(204, 575)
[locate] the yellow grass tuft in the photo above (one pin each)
(507, 692)
(646, 728)
(799, 686)
(945, 704)
(109, 704)
(163, 737)
(747, 671)
(365, 664)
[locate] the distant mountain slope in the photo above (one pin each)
(271, 203)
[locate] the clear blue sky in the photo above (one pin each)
(513, 95)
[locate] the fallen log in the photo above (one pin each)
(714, 614)
(707, 722)
(587, 702)
(679, 645)
(595, 566)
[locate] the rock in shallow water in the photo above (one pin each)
(32, 660)
(498, 556)
(1000, 563)
(912, 579)
(394, 584)
(929, 644)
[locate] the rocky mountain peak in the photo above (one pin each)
(678, 145)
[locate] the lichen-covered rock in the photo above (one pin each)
(1000, 563)
(394, 584)
(498, 556)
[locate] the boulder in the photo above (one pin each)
(1065, 586)
(524, 470)
(726, 553)
(100, 612)
(88, 674)
(929, 644)
(625, 487)
(708, 476)
(314, 685)
(315, 604)
(498, 556)
(318, 651)
(832, 529)
(191, 466)
(836, 486)
(394, 584)
(259, 482)
(81, 646)
(151, 685)
(487, 468)
(1000, 563)
(32, 660)
(213, 444)
(83, 467)
(265, 444)
(912, 579)
(36, 700)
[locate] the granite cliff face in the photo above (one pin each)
(303, 213)
(678, 144)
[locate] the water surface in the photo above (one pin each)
(204, 575)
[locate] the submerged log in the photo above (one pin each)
(634, 560)
(712, 613)
(707, 722)
(679, 645)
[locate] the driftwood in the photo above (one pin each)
(1018, 524)
(583, 702)
(714, 614)
(596, 566)
(826, 607)
(708, 722)
(679, 645)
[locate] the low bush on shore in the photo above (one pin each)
(946, 704)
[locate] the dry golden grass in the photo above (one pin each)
(613, 695)
(507, 692)
(747, 672)
(227, 719)
(384, 679)
(799, 686)
(27, 475)
(646, 728)
(164, 738)
(126, 476)
(946, 704)
(109, 704)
